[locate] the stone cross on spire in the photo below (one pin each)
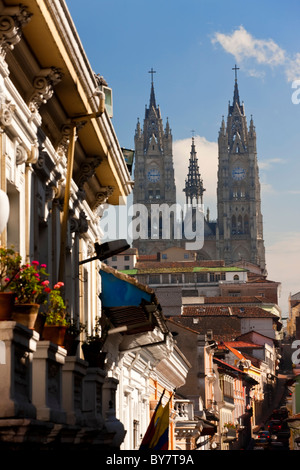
(152, 73)
(235, 68)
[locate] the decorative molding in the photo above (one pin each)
(79, 225)
(43, 85)
(63, 145)
(12, 20)
(102, 196)
(21, 154)
(44, 166)
(25, 156)
(87, 170)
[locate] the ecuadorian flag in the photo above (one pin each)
(157, 434)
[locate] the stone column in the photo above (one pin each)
(48, 361)
(92, 397)
(74, 371)
(18, 344)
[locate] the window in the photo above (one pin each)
(201, 277)
(189, 278)
(135, 433)
(154, 279)
(236, 277)
(126, 257)
(215, 277)
(164, 256)
(176, 278)
(114, 258)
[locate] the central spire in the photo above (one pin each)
(193, 184)
(152, 94)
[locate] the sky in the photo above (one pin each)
(193, 46)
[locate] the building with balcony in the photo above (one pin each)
(60, 161)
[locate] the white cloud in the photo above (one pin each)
(283, 260)
(266, 164)
(207, 154)
(293, 68)
(294, 191)
(244, 47)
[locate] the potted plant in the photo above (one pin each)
(10, 262)
(72, 336)
(55, 315)
(29, 288)
(94, 342)
(230, 430)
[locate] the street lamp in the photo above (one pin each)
(70, 163)
(107, 250)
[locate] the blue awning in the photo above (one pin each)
(117, 291)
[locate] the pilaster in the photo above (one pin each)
(16, 370)
(48, 362)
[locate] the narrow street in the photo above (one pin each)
(279, 440)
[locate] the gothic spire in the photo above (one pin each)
(236, 98)
(152, 94)
(193, 184)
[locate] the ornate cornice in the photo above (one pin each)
(43, 85)
(12, 20)
(87, 170)
(79, 225)
(102, 196)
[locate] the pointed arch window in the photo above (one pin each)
(233, 224)
(240, 224)
(246, 224)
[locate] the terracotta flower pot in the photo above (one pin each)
(55, 334)
(7, 301)
(26, 314)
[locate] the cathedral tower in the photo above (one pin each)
(240, 222)
(154, 173)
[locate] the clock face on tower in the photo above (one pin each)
(238, 173)
(153, 175)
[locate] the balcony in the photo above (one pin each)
(50, 400)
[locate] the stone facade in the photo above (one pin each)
(238, 232)
(154, 174)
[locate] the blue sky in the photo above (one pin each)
(193, 45)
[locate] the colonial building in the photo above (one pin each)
(60, 160)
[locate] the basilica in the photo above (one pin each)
(237, 234)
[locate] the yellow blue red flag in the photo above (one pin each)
(157, 434)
